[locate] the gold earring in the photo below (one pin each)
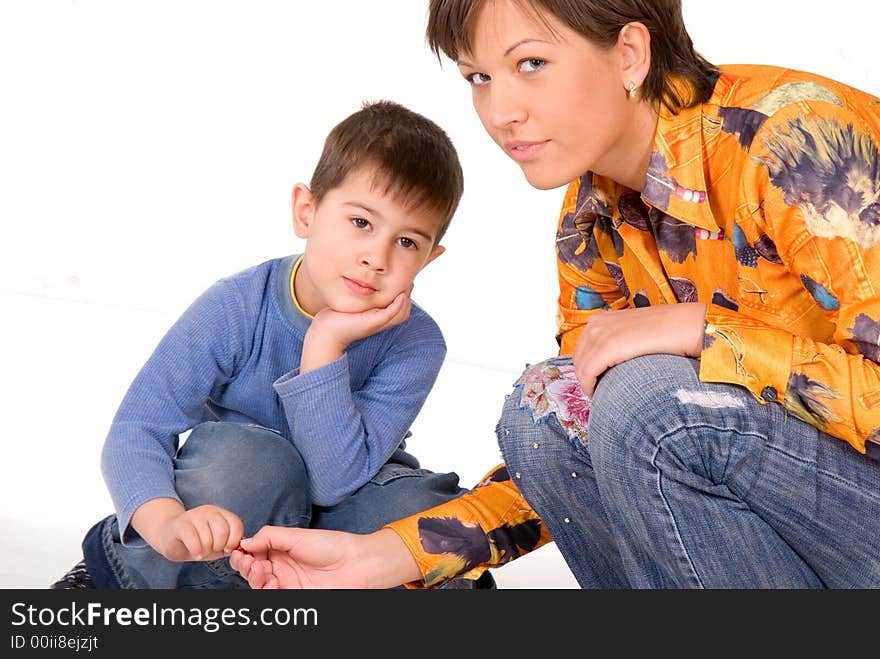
(631, 93)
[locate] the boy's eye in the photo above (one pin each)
(532, 64)
(477, 79)
(408, 243)
(360, 222)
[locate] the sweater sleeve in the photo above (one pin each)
(196, 357)
(814, 184)
(487, 527)
(345, 435)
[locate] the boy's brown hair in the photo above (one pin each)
(451, 25)
(411, 156)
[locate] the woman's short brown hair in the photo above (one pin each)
(411, 156)
(451, 25)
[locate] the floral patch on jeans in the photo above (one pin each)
(551, 387)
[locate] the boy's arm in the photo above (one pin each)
(344, 430)
(195, 357)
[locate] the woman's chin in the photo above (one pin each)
(546, 181)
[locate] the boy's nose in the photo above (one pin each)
(375, 258)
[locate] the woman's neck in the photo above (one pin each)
(628, 163)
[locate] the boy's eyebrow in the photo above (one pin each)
(371, 211)
(507, 52)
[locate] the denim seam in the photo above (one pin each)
(776, 449)
(671, 513)
(742, 500)
(836, 477)
(119, 571)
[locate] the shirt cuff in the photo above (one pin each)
(743, 351)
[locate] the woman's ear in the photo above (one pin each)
(303, 204)
(634, 44)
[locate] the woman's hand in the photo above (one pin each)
(280, 557)
(613, 337)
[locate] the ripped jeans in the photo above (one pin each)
(675, 483)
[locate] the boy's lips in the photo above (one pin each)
(523, 151)
(358, 287)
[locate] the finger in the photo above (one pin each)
(236, 530)
(241, 562)
(401, 307)
(269, 538)
(219, 529)
(190, 539)
(257, 575)
(587, 381)
(206, 540)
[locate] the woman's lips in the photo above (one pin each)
(524, 151)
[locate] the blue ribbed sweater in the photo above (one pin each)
(234, 356)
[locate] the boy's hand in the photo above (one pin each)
(201, 534)
(331, 332)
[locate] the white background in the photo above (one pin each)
(149, 148)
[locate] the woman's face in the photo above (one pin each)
(554, 102)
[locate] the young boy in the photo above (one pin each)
(299, 377)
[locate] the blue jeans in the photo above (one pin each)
(682, 484)
(259, 475)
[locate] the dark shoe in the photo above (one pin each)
(485, 581)
(78, 578)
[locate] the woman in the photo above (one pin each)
(719, 267)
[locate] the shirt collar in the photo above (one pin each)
(676, 182)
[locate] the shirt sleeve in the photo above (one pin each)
(196, 357)
(486, 527)
(345, 436)
(814, 186)
(586, 285)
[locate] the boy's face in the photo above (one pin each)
(553, 101)
(363, 247)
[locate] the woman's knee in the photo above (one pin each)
(638, 412)
(636, 390)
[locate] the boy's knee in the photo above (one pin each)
(226, 463)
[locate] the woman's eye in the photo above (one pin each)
(532, 64)
(360, 222)
(477, 79)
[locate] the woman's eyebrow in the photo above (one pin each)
(522, 42)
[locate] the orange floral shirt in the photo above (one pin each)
(764, 204)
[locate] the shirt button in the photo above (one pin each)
(769, 394)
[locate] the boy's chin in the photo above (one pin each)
(357, 306)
